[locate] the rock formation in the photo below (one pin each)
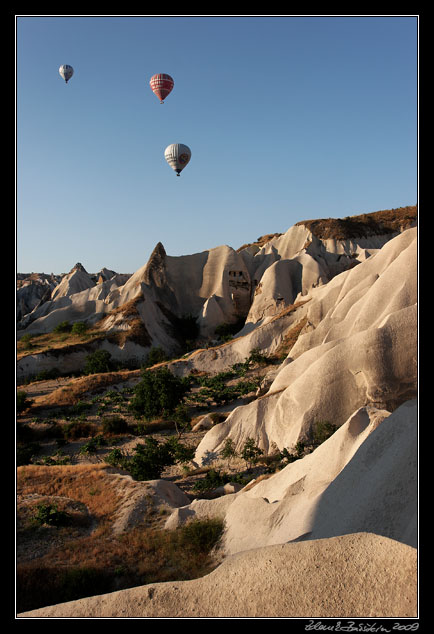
(358, 346)
(375, 578)
(219, 286)
(76, 281)
(333, 534)
(362, 479)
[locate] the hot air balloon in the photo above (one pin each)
(178, 156)
(161, 85)
(66, 72)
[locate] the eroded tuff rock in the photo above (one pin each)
(376, 577)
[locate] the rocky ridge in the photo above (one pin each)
(219, 286)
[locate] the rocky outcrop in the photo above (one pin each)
(358, 347)
(218, 286)
(363, 478)
(31, 295)
(75, 281)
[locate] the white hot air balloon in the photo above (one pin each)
(178, 156)
(66, 72)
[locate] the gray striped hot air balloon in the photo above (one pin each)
(178, 156)
(66, 72)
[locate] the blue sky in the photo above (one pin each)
(288, 118)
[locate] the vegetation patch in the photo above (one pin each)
(150, 458)
(63, 339)
(100, 565)
(261, 241)
(288, 341)
(158, 393)
(364, 225)
(78, 387)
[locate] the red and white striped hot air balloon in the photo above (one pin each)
(161, 85)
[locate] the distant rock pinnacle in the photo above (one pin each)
(155, 269)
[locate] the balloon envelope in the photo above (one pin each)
(66, 71)
(161, 84)
(178, 156)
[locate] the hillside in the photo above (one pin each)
(295, 361)
(363, 225)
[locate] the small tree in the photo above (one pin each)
(228, 452)
(64, 326)
(251, 452)
(79, 328)
(151, 458)
(181, 418)
(98, 361)
(158, 393)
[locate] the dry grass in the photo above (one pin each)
(289, 339)
(63, 564)
(261, 241)
(375, 223)
(75, 389)
(127, 314)
(289, 309)
(91, 485)
(53, 342)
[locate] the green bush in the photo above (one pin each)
(200, 535)
(149, 461)
(181, 418)
(250, 452)
(97, 362)
(158, 393)
(228, 450)
(150, 458)
(22, 401)
(322, 430)
(79, 328)
(49, 514)
(114, 425)
(46, 375)
(213, 479)
(79, 408)
(155, 355)
(78, 429)
(27, 342)
(216, 389)
(256, 356)
(92, 445)
(179, 452)
(116, 458)
(64, 326)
